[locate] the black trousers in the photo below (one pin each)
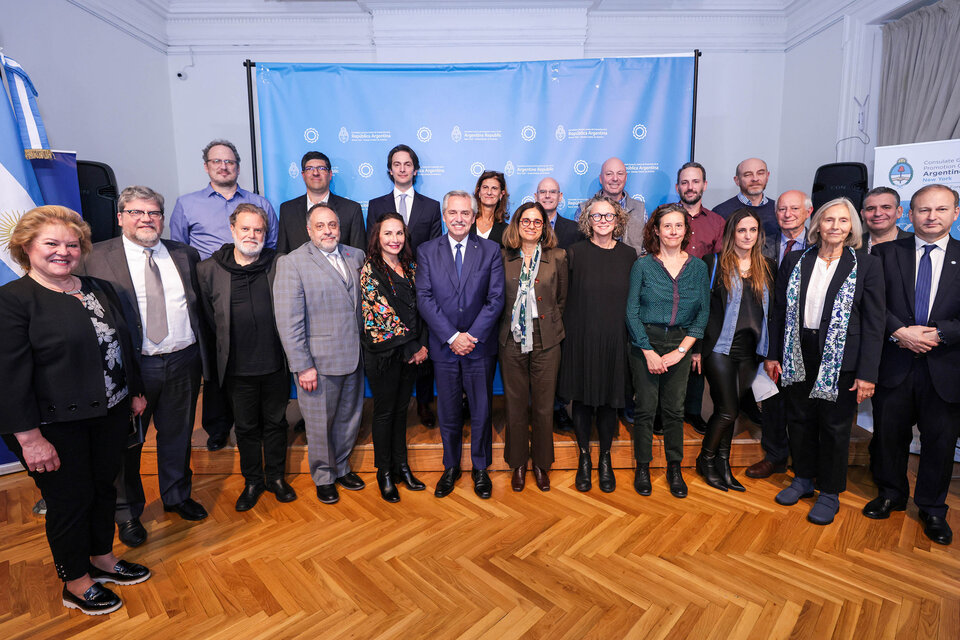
(216, 411)
(391, 382)
(607, 424)
(663, 393)
(895, 411)
(425, 379)
(259, 403)
(80, 495)
(773, 435)
(730, 377)
(819, 430)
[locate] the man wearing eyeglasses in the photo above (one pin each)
(613, 184)
(316, 172)
(157, 284)
(202, 218)
(549, 196)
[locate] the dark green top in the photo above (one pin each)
(656, 298)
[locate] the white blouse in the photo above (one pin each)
(823, 273)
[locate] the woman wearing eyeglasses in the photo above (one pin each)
(530, 334)
(594, 367)
(492, 197)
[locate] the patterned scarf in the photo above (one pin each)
(825, 387)
(521, 320)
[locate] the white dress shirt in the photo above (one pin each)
(409, 202)
(936, 265)
(337, 261)
(179, 332)
(817, 291)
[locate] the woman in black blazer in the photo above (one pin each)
(70, 383)
(492, 199)
(735, 340)
(826, 332)
(394, 343)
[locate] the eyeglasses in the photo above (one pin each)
(316, 170)
(536, 223)
(548, 192)
(218, 161)
(139, 213)
(597, 217)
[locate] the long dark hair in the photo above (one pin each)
(375, 251)
(511, 235)
(761, 275)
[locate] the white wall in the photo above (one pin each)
(102, 93)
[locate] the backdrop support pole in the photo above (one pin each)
(693, 119)
(249, 65)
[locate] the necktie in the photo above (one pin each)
(458, 260)
(924, 275)
(338, 264)
(156, 303)
(403, 207)
(789, 247)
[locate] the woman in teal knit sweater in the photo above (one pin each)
(667, 310)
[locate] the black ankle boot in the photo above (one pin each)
(641, 479)
(605, 477)
(706, 467)
(584, 468)
(388, 490)
(723, 468)
(678, 488)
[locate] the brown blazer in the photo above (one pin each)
(550, 287)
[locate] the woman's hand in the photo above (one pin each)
(654, 362)
(863, 388)
(772, 367)
(418, 357)
(138, 405)
(38, 453)
(671, 358)
(696, 363)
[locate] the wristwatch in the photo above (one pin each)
(682, 349)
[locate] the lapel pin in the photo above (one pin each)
(953, 262)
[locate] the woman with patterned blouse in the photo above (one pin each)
(394, 340)
(70, 383)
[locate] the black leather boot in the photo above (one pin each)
(706, 467)
(584, 468)
(605, 477)
(388, 490)
(641, 479)
(723, 462)
(678, 488)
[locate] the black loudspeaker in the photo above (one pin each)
(98, 198)
(840, 179)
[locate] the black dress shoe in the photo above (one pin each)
(283, 491)
(406, 476)
(132, 533)
(217, 442)
(584, 467)
(936, 528)
(696, 421)
(300, 425)
(446, 482)
(879, 508)
(96, 601)
(388, 490)
(123, 573)
(678, 488)
(189, 509)
(327, 493)
(605, 478)
(351, 481)
(249, 496)
(641, 479)
(765, 468)
(482, 486)
(427, 417)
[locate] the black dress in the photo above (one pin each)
(594, 368)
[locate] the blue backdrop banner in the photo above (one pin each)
(559, 118)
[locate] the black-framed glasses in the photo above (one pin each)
(139, 213)
(597, 217)
(536, 223)
(316, 170)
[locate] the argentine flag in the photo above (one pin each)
(19, 191)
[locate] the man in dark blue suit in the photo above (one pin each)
(918, 381)
(422, 216)
(460, 296)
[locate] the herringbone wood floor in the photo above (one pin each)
(521, 565)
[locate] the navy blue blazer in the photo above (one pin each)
(471, 303)
(424, 217)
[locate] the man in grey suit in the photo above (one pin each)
(317, 307)
(157, 283)
(613, 184)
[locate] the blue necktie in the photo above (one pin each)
(458, 260)
(924, 275)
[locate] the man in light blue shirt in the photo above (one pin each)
(202, 218)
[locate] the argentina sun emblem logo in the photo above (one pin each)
(528, 133)
(311, 135)
(639, 132)
(901, 173)
(365, 169)
(424, 134)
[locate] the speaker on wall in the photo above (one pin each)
(98, 198)
(840, 179)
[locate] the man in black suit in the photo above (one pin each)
(918, 382)
(422, 216)
(880, 212)
(549, 196)
(157, 284)
(317, 172)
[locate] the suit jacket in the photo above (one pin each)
(51, 367)
(550, 287)
(108, 261)
(861, 352)
(901, 234)
(293, 223)
(567, 231)
(318, 314)
(215, 290)
(771, 247)
(471, 303)
(898, 259)
(424, 217)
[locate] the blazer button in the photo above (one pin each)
(71, 407)
(51, 408)
(95, 403)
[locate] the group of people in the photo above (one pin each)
(615, 312)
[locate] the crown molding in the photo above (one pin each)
(613, 34)
(143, 20)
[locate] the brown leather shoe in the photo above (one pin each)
(519, 478)
(542, 478)
(765, 469)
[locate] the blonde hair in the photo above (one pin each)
(854, 238)
(29, 225)
(583, 221)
